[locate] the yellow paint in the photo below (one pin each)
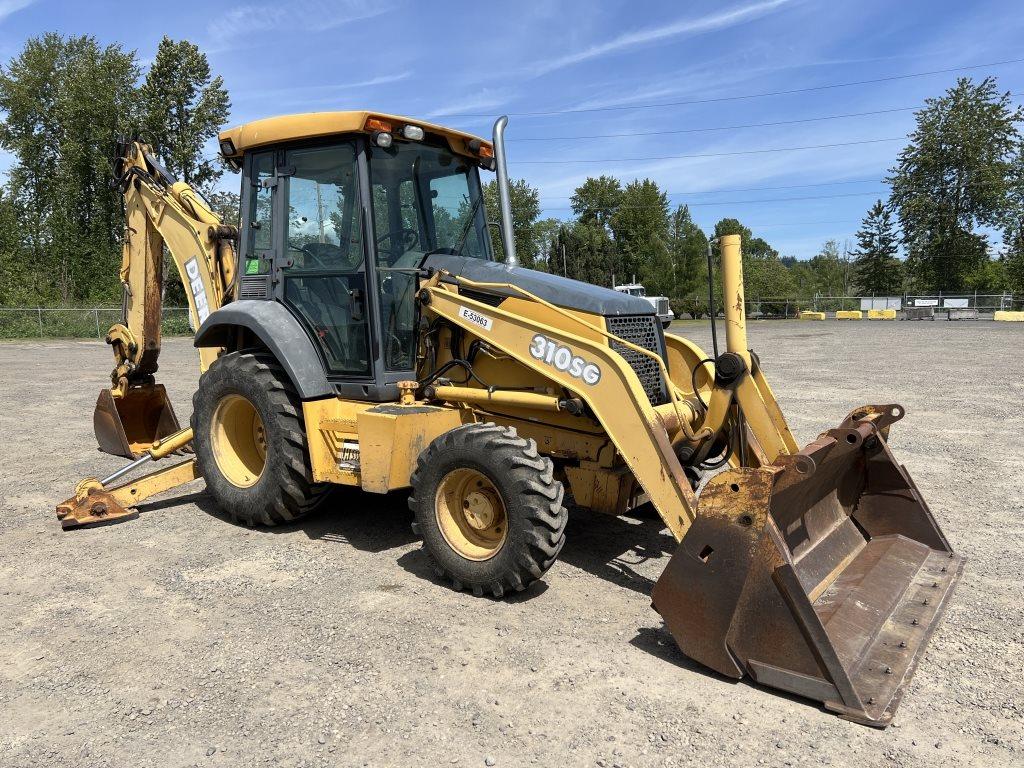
(881, 314)
(608, 491)
(310, 125)
(732, 290)
(849, 314)
(238, 441)
(1005, 316)
(391, 438)
(812, 315)
(471, 514)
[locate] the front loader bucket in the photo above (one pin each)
(128, 425)
(823, 574)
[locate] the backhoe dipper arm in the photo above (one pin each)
(162, 211)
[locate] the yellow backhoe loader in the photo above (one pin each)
(362, 334)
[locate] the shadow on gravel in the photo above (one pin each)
(368, 522)
(611, 547)
(659, 643)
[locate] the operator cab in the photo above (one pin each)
(339, 210)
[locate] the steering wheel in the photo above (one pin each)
(327, 255)
(409, 239)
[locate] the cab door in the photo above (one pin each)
(323, 267)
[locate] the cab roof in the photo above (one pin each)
(310, 125)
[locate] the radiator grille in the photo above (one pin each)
(662, 306)
(642, 330)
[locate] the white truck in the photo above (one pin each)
(660, 303)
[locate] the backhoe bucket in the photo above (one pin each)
(128, 425)
(823, 574)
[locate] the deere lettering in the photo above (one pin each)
(195, 282)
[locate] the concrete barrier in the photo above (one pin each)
(849, 314)
(881, 314)
(1005, 316)
(812, 315)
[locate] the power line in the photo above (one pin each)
(707, 154)
(746, 189)
(796, 121)
(711, 128)
(712, 100)
(739, 202)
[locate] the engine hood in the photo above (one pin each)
(560, 291)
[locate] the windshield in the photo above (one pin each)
(425, 199)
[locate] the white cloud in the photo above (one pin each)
(236, 25)
(7, 7)
(484, 99)
(680, 27)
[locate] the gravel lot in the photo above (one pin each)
(179, 639)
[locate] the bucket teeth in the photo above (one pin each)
(824, 574)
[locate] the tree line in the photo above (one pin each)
(954, 220)
(956, 210)
(65, 102)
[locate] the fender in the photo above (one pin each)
(280, 332)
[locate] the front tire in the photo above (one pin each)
(250, 441)
(488, 508)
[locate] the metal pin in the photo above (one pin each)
(888, 670)
(903, 643)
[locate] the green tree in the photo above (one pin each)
(763, 271)
(65, 100)
(954, 177)
(525, 203)
(183, 107)
(228, 205)
(545, 231)
(1013, 262)
(590, 252)
(640, 228)
(877, 271)
(596, 200)
(688, 245)
(829, 270)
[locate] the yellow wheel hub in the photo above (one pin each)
(471, 514)
(239, 441)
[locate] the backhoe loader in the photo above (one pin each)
(356, 330)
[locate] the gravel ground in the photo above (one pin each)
(179, 639)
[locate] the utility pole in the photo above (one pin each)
(320, 212)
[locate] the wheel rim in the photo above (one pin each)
(471, 514)
(239, 441)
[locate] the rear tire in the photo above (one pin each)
(250, 440)
(488, 508)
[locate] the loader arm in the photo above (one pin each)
(159, 211)
(647, 437)
(820, 571)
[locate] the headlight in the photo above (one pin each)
(412, 132)
(382, 139)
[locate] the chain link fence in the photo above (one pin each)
(77, 322)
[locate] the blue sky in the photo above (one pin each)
(463, 64)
